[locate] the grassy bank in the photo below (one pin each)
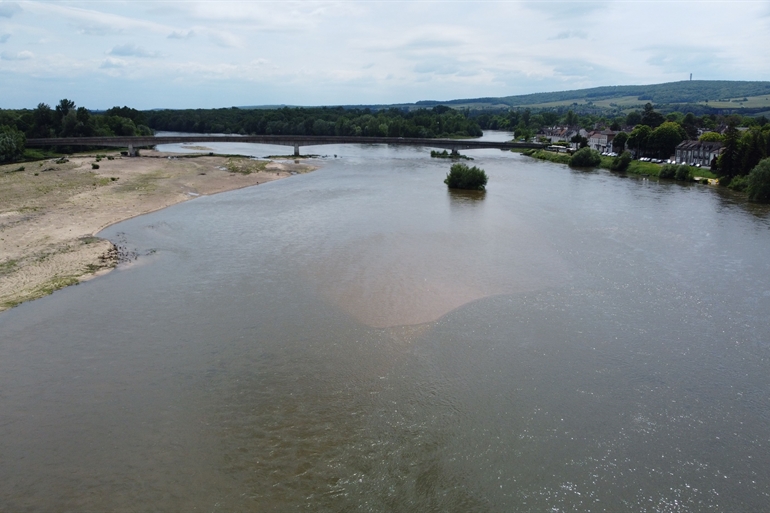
(634, 168)
(550, 156)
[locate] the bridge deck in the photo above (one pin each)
(283, 140)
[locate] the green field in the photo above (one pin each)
(751, 102)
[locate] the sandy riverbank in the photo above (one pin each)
(50, 211)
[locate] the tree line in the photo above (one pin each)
(440, 121)
(64, 120)
(68, 120)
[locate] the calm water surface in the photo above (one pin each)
(360, 339)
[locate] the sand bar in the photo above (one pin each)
(51, 210)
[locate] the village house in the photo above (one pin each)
(601, 141)
(697, 153)
(562, 134)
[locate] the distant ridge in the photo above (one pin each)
(717, 94)
(749, 97)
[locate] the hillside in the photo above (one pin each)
(701, 95)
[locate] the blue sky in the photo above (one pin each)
(187, 54)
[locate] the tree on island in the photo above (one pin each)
(461, 176)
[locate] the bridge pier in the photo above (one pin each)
(296, 150)
(131, 151)
(455, 153)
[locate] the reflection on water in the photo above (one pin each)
(461, 197)
(361, 339)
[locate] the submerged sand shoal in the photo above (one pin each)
(50, 212)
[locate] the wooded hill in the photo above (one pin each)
(697, 96)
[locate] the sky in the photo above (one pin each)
(210, 54)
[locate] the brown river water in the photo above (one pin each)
(361, 339)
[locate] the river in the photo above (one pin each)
(360, 339)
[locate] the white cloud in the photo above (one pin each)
(96, 22)
(249, 52)
(569, 9)
(111, 62)
(222, 38)
(8, 9)
(20, 56)
(132, 50)
(180, 34)
(570, 34)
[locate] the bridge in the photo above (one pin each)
(296, 141)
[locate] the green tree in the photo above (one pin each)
(64, 107)
(639, 138)
(758, 187)
(526, 117)
(753, 148)
(524, 133)
(690, 125)
(461, 176)
(12, 143)
(633, 118)
(585, 157)
(621, 162)
(666, 137)
(581, 141)
(42, 122)
(549, 118)
(619, 142)
(711, 137)
(651, 118)
(729, 163)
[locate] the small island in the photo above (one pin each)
(461, 176)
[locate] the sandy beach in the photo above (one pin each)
(51, 210)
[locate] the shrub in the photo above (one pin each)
(667, 171)
(12, 143)
(682, 173)
(94, 166)
(759, 182)
(461, 176)
(585, 157)
(621, 162)
(738, 183)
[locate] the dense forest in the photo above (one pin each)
(68, 120)
(439, 121)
